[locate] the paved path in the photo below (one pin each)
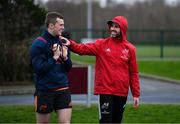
(155, 91)
(152, 92)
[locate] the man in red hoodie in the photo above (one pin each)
(115, 72)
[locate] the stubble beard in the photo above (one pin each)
(115, 34)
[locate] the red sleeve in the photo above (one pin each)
(134, 78)
(84, 48)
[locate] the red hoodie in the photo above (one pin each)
(116, 68)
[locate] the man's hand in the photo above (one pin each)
(67, 43)
(64, 52)
(57, 51)
(136, 102)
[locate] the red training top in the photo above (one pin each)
(116, 67)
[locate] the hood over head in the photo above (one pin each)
(123, 24)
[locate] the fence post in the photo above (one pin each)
(89, 86)
(161, 44)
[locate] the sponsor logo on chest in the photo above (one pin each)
(125, 54)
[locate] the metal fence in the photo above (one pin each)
(156, 43)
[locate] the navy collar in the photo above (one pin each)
(50, 38)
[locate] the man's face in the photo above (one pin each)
(115, 30)
(58, 27)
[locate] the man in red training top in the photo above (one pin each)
(116, 70)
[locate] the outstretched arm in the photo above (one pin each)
(82, 49)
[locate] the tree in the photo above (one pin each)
(19, 19)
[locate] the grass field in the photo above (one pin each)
(169, 69)
(154, 51)
(81, 114)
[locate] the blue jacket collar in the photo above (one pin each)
(50, 38)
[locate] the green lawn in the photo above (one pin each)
(169, 69)
(82, 59)
(145, 114)
(154, 51)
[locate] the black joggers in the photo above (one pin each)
(111, 108)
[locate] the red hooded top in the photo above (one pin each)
(116, 68)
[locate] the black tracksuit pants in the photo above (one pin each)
(111, 108)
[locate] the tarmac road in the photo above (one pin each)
(156, 91)
(152, 92)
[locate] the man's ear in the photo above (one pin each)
(51, 25)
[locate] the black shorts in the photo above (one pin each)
(49, 101)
